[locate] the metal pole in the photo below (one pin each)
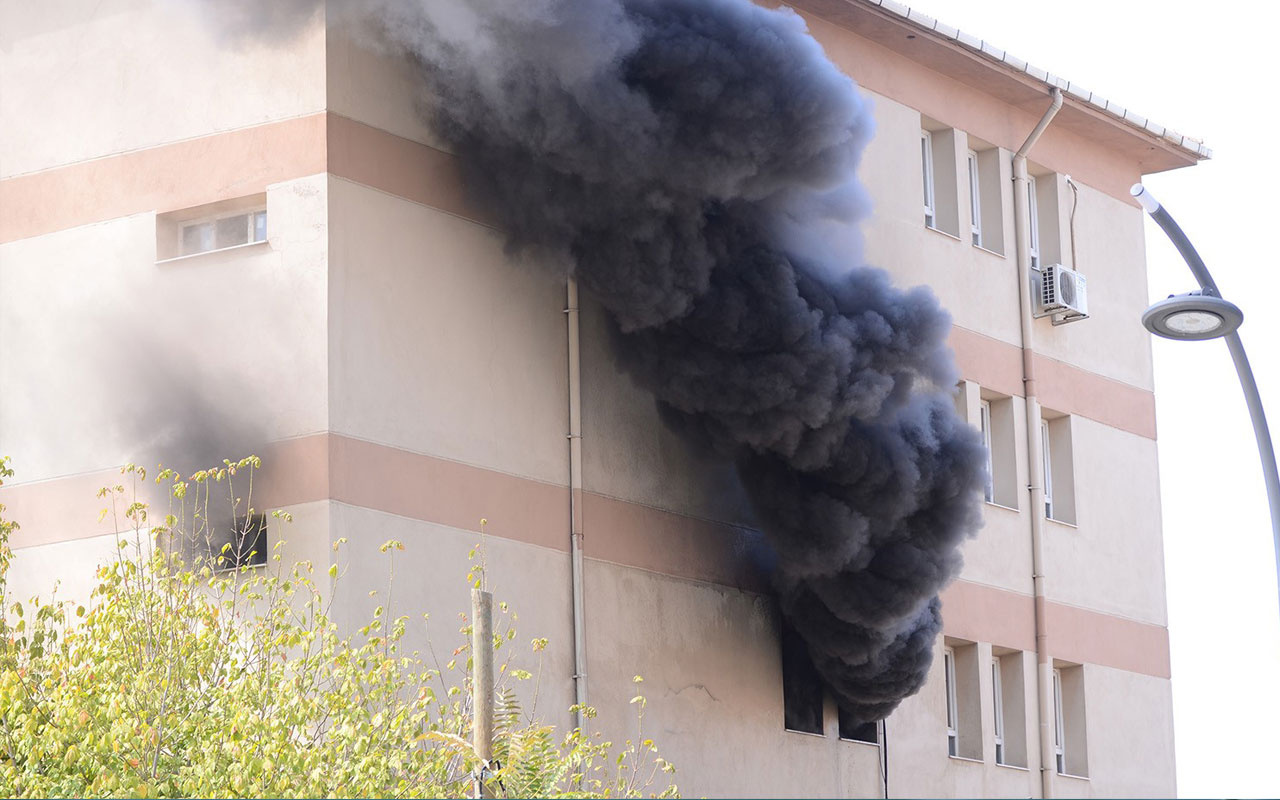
(576, 589)
(1263, 434)
(482, 687)
(1252, 399)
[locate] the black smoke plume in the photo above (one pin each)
(687, 161)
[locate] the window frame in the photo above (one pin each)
(1033, 213)
(1046, 458)
(997, 702)
(984, 424)
(953, 716)
(975, 200)
(250, 215)
(246, 531)
(926, 164)
(1059, 730)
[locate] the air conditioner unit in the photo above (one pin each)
(1060, 293)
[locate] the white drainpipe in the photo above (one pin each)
(1035, 458)
(575, 501)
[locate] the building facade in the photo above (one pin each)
(274, 224)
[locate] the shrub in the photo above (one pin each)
(188, 673)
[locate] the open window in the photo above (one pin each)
(939, 170)
(1058, 465)
(241, 542)
(1046, 226)
(1008, 699)
(963, 709)
(1070, 742)
(984, 424)
(987, 179)
(801, 687)
(975, 201)
(851, 730)
(926, 168)
(993, 414)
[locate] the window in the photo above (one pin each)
(989, 490)
(1059, 474)
(186, 232)
(1059, 734)
(203, 236)
(244, 544)
(997, 699)
(801, 687)
(1033, 212)
(1009, 704)
(926, 165)
(993, 415)
(961, 677)
(854, 731)
(1070, 745)
(975, 201)
(953, 717)
(1047, 459)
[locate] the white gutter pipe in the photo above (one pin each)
(575, 502)
(1035, 458)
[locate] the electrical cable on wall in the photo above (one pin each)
(1075, 201)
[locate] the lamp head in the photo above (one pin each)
(1192, 316)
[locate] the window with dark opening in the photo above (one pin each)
(245, 545)
(801, 687)
(853, 730)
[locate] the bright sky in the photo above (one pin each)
(1206, 73)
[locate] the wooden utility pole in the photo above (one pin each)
(482, 687)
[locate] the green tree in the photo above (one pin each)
(190, 674)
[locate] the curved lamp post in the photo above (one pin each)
(1205, 315)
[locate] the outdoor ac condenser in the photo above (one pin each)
(1060, 293)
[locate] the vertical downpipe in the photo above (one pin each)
(575, 501)
(1035, 458)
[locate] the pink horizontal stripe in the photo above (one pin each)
(1063, 387)
(193, 172)
(330, 466)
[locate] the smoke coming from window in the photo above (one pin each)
(692, 163)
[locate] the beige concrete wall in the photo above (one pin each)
(1110, 251)
(714, 689)
(87, 79)
(104, 349)
(430, 576)
(1113, 559)
(977, 286)
(380, 89)
(1130, 734)
(438, 344)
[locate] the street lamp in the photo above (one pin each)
(1205, 315)
(1192, 316)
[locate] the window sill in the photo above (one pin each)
(1013, 766)
(989, 252)
(212, 252)
(859, 741)
(1001, 505)
(805, 733)
(1073, 777)
(947, 234)
(1064, 524)
(966, 759)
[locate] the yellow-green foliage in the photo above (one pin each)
(179, 679)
